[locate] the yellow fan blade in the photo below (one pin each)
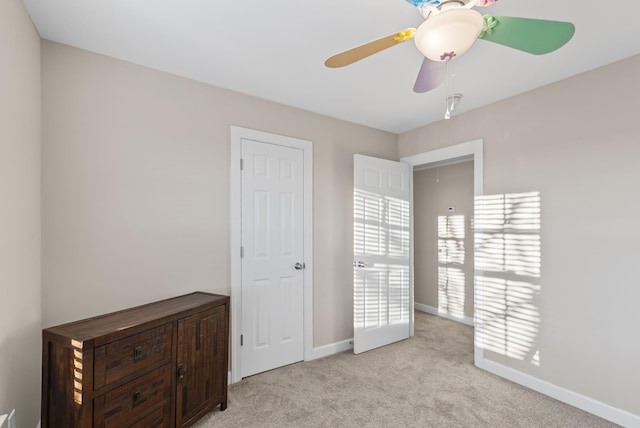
(368, 49)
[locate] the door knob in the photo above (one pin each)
(299, 266)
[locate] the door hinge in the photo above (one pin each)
(241, 252)
(241, 164)
(241, 340)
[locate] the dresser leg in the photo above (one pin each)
(223, 406)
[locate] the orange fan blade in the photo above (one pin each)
(368, 49)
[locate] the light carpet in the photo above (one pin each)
(428, 380)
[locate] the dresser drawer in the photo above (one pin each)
(132, 354)
(159, 418)
(125, 405)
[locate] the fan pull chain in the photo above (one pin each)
(450, 99)
(447, 114)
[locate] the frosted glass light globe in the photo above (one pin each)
(448, 34)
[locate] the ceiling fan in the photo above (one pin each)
(451, 27)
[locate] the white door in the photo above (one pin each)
(272, 256)
(381, 234)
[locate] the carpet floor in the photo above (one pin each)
(428, 380)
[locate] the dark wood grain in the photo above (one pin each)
(121, 369)
(158, 418)
(132, 354)
(201, 345)
(134, 400)
(106, 327)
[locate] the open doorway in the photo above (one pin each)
(443, 239)
(472, 150)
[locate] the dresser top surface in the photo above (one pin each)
(127, 319)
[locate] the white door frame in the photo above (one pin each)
(237, 135)
(472, 149)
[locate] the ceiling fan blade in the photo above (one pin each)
(535, 36)
(430, 76)
(360, 52)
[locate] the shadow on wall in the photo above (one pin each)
(508, 279)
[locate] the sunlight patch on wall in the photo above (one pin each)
(451, 278)
(508, 272)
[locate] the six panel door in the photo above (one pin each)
(272, 263)
(381, 246)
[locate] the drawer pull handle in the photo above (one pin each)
(136, 397)
(137, 353)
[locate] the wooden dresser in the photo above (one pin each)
(158, 365)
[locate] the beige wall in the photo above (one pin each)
(136, 187)
(434, 190)
(576, 142)
(19, 214)
(135, 202)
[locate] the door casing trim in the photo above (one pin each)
(237, 134)
(447, 155)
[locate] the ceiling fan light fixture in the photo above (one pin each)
(449, 33)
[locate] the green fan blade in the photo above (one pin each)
(535, 36)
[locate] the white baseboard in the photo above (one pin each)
(332, 348)
(595, 407)
(322, 351)
(435, 311)
(345, 345)
(598, 408)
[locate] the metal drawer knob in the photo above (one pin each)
(137, 353)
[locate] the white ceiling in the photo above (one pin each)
(275, 49)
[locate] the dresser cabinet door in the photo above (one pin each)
(201, 364)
